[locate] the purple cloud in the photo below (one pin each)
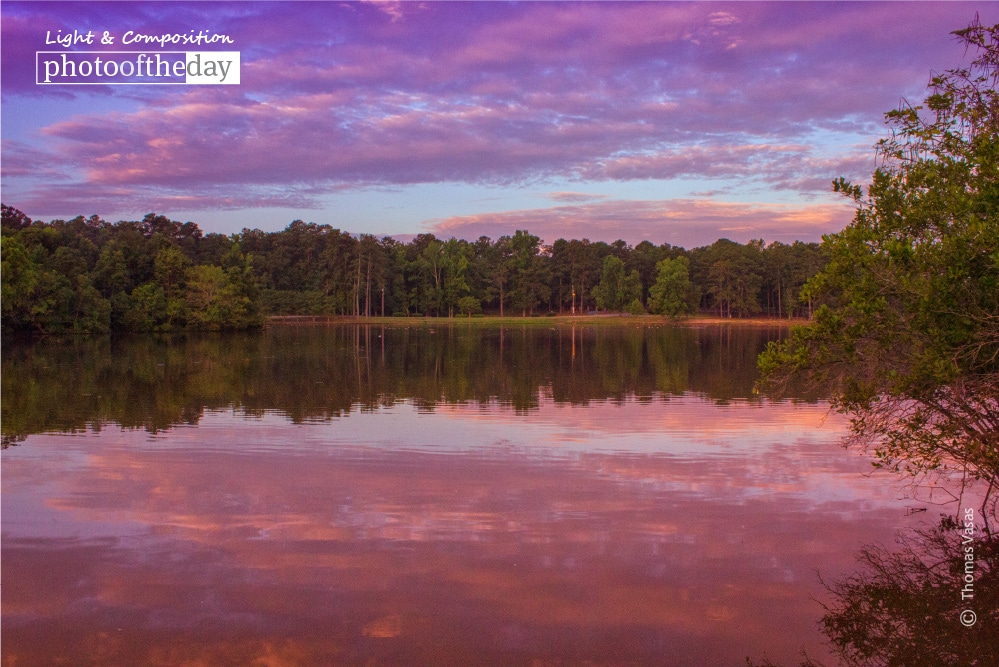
(354, 95)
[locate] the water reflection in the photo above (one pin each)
(321, 372)
(607, 521)
(930, 599)
(933, 599)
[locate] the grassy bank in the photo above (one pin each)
(609, 320)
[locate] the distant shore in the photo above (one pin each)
(609, 319)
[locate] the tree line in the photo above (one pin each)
(157, 274)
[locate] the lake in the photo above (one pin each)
(422, 495)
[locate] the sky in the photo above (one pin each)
(669, 122)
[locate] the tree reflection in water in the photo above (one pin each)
(914, 605)
(322, 372)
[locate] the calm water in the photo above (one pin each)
(434, 496)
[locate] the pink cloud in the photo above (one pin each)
(684, 222)
(573, 197)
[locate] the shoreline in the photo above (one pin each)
(611, 319)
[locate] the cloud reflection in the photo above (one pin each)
(341, 543)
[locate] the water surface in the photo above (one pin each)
(436, 495)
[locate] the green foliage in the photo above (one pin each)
(218, 298)
(87, 276)
(529, 273)
(616, 289)
(634, 308)
(732, 277)
(169, 269)
(455, 261)
(469, 305)
(93, 312)
(608, 291)
(670, 296)
(147, 309)
(20, 280)
(207, 297)
(908, 334)
(110, 274)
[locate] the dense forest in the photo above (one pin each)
(89, 275)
